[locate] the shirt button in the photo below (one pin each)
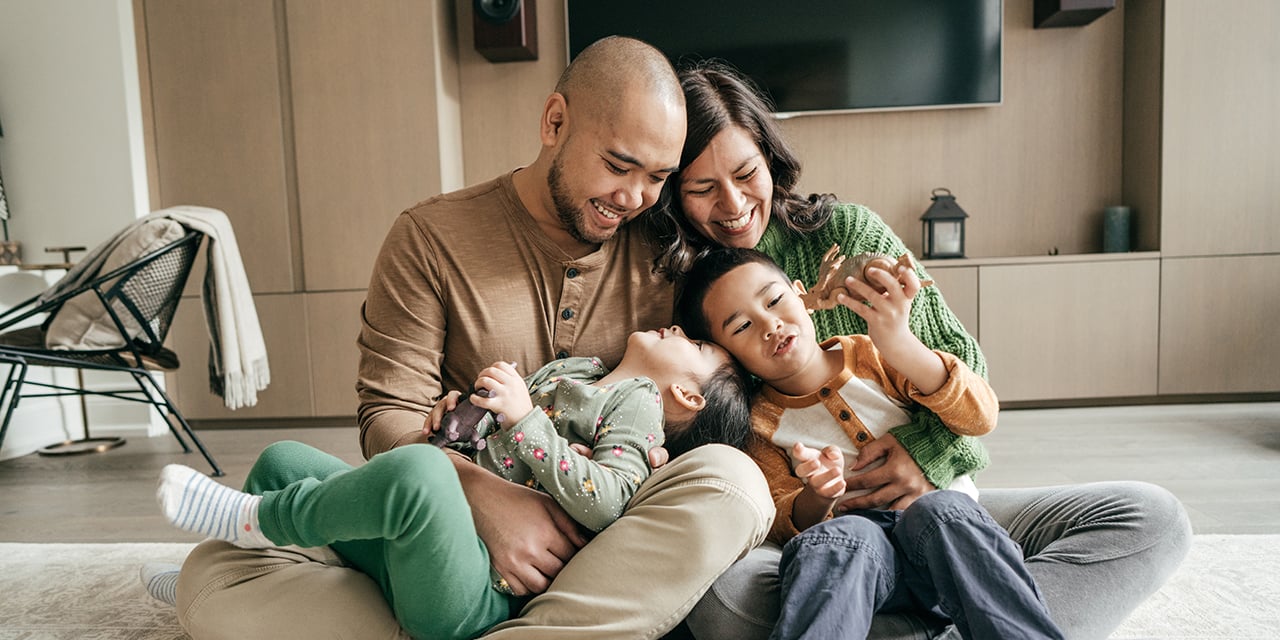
(566, 314)
(572, 272)
(844, 415)
(825, 392)
(561, 355)
(862, 436)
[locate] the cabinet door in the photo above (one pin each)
(1220, 144)
(219, 138)
(959, 287)
(1217, 328)
(370, 98)
(333, 322)
(1070, 330)
(284, 328)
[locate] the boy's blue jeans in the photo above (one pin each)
(944, 555)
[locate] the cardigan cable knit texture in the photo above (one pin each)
(941, 454)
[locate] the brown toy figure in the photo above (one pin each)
(835, 268)
(466, 426)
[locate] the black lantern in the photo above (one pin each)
(943, 227)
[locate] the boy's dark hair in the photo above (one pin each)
(702, 274)
(725, 417)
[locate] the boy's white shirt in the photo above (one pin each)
(815, 427)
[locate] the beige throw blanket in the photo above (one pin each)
(237, 354)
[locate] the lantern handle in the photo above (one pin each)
(935, 191)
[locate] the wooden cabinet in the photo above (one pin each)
(284, 329)
(1077, 329)
(1217, 325)
(959, 287)
(333, 323)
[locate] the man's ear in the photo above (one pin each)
(689, 399)
(554, 114)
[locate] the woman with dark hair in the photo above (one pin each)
(1095, 550)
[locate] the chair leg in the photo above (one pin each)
(10, 394)
(173, 412)
(159, 406)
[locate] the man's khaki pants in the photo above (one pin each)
(637, 579)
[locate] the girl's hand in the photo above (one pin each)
(886, 313)
(822, 471)
(446, 404)
(508, 395)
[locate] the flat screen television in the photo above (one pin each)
(822, 56)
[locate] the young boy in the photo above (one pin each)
(402, 517)
(820, 404)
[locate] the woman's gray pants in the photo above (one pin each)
(1095, 550)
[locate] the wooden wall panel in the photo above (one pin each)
(1034, 173)
(367, 126)
(216, 104)
(1143, 117)
(1221, 151)
(501, 103)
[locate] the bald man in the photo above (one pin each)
(534, 265)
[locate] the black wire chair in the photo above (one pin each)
(144, 293)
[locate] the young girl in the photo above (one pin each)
(821, 403)
(402, 517)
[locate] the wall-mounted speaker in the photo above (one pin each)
(506, 30)
(1069, 13)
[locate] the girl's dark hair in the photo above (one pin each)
(718, 97)
(708, 268)
(725, 417)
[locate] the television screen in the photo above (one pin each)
(822, 55)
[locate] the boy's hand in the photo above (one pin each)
(886, 313)
(822, 471)
(508, 395)
(446, 404)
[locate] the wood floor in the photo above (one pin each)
(1221, 460)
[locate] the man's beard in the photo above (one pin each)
(571, 217)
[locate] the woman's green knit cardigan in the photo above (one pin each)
(941, 454)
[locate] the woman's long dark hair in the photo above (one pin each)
(717, 97)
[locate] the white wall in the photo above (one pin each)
(72, 153)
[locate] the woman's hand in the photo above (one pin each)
(446, 404)
(508, 397)
(896, 484)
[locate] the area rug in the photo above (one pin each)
(1228, 588)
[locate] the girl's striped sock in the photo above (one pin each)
(194, 502)
(161, 581)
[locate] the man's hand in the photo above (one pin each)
(529, 537)
(446, 404)
(896, 484)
